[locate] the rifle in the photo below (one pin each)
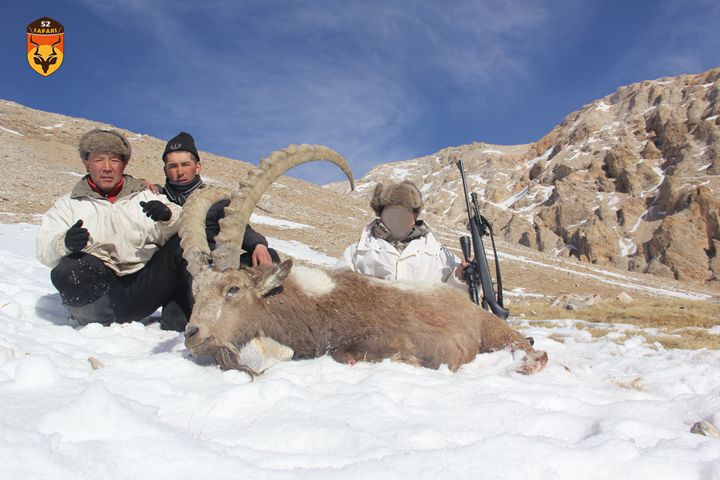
(477, 271)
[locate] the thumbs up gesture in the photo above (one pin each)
(76, 237)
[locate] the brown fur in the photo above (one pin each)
(361, 319)
(98, 140)
(404, 194)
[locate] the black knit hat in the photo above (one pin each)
(183, 141)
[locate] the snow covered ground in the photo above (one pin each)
(600, 410)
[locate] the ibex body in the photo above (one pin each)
(348, 315)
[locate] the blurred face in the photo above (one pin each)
(398, 220)
(181, 167)
(105, 169)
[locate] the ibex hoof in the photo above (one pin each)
(705, 428)
(262, 353)
(533, 362)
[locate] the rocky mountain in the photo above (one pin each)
(38, 151)
(631, 181)
(520, 186)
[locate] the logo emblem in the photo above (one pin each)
(45, 45)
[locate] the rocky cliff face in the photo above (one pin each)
(631, 180)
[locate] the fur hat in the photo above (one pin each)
(98, 140)
(404, 194)
(183, 141)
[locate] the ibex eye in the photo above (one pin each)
(232, 291)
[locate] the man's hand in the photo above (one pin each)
(156, 210)
(76, 237)
(261, 256)
(460, 270)
(153, 187)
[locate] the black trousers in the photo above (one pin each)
(94, 293)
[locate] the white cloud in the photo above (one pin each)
(255, 76)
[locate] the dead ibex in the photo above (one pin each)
(347, 315)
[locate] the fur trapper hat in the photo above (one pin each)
(404, 194)
(98, 140)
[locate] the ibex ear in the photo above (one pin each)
(272, 278)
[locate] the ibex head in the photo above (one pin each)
(218, 280)
(48, 57)
(225, 312)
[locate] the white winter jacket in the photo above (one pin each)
(424, 259)
(121, 235)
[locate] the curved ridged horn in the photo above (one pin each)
(53, 45)
(193, 238)
(37, 49)
(237, 214)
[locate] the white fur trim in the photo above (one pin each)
(407, 285)
(313, 281)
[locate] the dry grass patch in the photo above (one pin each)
(598, 332)
(688, 339)
(631, 384)
(682, 323)
(541, 323)
(557, 337)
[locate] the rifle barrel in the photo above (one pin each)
(482, 271)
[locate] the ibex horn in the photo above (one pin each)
(237, 214)
(193, 239)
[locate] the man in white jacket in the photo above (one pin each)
(397, 246)
(111, 242)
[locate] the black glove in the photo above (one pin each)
(76, 237)
(156, 210)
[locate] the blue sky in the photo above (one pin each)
(377, 80)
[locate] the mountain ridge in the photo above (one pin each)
(42, 148)
(629, 180)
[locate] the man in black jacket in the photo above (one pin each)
(182, 177)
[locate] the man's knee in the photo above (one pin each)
(98, 311)
(80, 278)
